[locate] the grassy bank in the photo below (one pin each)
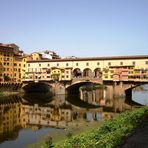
(110, 134)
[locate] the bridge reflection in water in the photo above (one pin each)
(17, 112)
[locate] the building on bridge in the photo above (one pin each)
(39, 66)
(120, 68)
(35, 56)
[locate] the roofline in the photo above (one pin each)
(92, 58)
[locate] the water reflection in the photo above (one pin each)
(39, 98)
(140, 94)
(10, 117)
(36, 111)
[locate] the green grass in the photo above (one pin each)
(110, 134)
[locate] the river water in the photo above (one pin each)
(25, 120)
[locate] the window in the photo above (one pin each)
(57, 64)
(28, 65)
(98, 63)
(106, 77)
(87, 64)
(121, 63)
(134, 62)
(48, 65)
(66, 64)
(39, 65)
(109, 63)
(77, 64)
(146, 62)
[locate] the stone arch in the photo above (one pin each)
(74, 88)
(87, 72)
(37, 87)
(77, 72)
(97, 73)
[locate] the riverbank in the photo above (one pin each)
(110, 134)
(138, 139)
(75, 128)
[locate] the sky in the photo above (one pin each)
(82, 28)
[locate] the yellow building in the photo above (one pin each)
(7, 59)
(34, 56)
(10, 118)
(17, 68)
(105, 68)
(10, 63)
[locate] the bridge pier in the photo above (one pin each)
(118, 90)
(93, 96)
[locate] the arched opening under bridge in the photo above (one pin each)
(37, 87)
(137, 94)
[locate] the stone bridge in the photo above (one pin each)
(113, 88)
(121, 89)
(78, 82)
(86, 79)
(58, 87)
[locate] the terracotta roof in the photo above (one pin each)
(93, 58)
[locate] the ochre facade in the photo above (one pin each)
(124, 68)
(16, 67)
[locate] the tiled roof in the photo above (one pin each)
(94, 58)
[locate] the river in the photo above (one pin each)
(25, 120)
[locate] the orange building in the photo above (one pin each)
(10, 63)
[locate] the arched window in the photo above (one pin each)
(77, 72)
(87, 72)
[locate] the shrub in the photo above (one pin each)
(109, 134)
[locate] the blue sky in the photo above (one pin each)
(76, 27)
